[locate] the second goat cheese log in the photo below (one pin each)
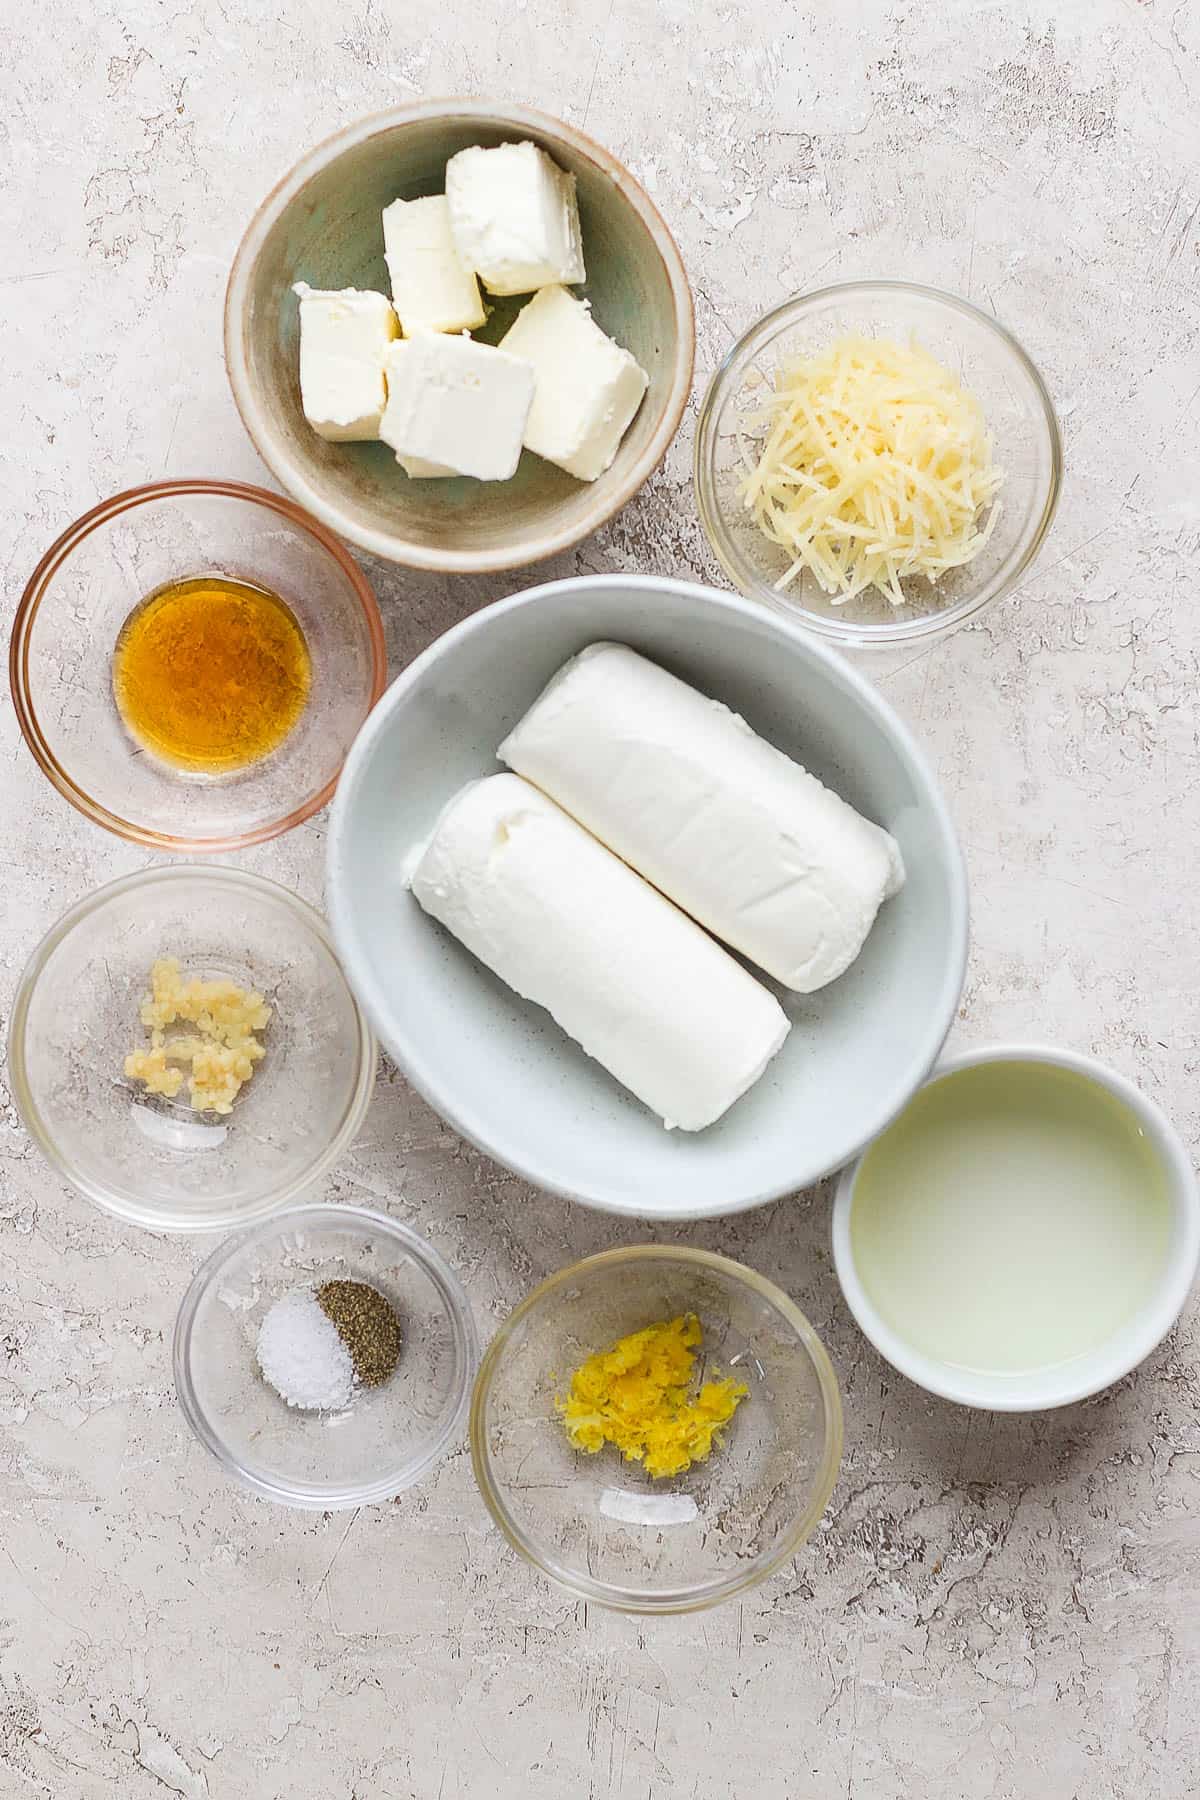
(563, 921)
(736, 833)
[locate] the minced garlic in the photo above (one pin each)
(219, 1056)
(635, 1396)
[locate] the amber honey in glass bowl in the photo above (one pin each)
(211, 674)
(152, 778)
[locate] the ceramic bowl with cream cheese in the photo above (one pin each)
(497, 1067)
(322, 226)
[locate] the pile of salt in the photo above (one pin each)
(301, 1354)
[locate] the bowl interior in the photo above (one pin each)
(65, 640)
(500, 1069)
(985, 359)
(390, 1434)
(601, 1525)
(328, 233)
(153, 1161)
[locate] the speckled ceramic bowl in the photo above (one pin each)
(322, 225)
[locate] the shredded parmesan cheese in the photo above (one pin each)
(876, 467)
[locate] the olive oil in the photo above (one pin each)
(1014, 1216)
(211, 674)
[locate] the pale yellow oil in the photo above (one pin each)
(1015, 1216)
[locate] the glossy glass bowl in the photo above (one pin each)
(84, 589)
(599, 1526)
(390, 1435)
(986, 358)
(155, 1162)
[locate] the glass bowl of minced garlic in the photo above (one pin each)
(877, 461)
(656, 1428)
(186, 1051)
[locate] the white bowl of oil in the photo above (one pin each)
(1023, 1234)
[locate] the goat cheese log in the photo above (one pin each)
(567, 925)
(740, 837)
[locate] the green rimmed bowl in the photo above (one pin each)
(321, 224)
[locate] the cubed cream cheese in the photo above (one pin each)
(562, 920)
(736, 833)
(344, 334)
(456, 403)
(431, 288)
(419, 470)
(586, 387)
(514, 216)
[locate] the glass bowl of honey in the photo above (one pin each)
(191, 661)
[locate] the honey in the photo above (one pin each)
(211, 674)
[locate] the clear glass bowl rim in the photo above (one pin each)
(680, 1600)
(149, 1218)
(61, 550)
(745, 581)
(458, 1311)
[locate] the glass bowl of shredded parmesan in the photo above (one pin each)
(657, 1429)
(877, 460)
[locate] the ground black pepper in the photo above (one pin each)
(366, 1325)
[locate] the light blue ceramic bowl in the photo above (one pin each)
(498, 1069)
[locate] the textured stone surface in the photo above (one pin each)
(995, 1608)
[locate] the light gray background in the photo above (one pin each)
(995, 1609)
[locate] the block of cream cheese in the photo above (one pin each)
(420, 470)
(431, 288)
(514, 217)
(563, 921)
(586, 388)
(738, 835)
(343, 337)
(457, 404)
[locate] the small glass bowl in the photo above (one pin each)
(155, 1162)
(986, 358)
(598, 1525)
(84, 589)
(390, 1435)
